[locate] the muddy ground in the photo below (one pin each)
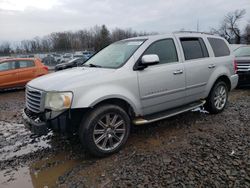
(194, 149)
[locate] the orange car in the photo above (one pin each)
(16, 72)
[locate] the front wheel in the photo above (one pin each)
(105, 130)
(217, 98)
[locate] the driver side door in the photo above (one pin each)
(162, 86)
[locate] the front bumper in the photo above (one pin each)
(244, 78)
(40, 124)
(36, 126)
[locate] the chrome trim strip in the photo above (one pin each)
(162, 93)
(142, 121)
(197, 85)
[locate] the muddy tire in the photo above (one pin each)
(104, 130)
(217, 99)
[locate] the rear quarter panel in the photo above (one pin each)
(224, 67)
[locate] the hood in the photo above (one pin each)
(245, 59)
(69, 79)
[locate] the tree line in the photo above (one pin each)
(93, 39)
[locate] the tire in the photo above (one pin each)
(217, 99)
(104, 130)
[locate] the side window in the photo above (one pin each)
(219, 47)
(165, 49)
(25, 64)
(8, 65)
(194, 48)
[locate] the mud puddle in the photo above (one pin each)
(42, 173)
(16, 141)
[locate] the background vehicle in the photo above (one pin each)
(139, 80)
(49, 60)
(72, 63)
(16, 72)
(88, 54)
(66, 57)
(242, 55)
(57, 57)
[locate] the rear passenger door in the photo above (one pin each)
(196, 64)
(27, 71)
(162, 86)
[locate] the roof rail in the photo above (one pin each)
(194, 32)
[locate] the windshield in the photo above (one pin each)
(115, 55)
(242, 51)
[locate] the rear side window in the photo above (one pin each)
(219, 47)
(8, 65)
(165, 49)
(194, 48)
(25, 64)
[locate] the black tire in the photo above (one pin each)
(210, 105)
(90, 123)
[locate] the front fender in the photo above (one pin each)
(90, 98)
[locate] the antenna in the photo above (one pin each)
(198, 26)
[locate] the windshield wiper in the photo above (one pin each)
(93, 65)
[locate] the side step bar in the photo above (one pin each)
(168, 113)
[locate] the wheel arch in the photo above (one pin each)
(225, 79)
(222, 77)
(119, 101)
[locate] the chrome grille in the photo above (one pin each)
(243, 66)
(34, 99)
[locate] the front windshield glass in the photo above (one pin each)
(115, 55)
(242, 51)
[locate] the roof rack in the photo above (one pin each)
(194, 32)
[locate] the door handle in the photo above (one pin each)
(178, 72)
(211, 66)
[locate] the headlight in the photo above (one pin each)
(58, 100)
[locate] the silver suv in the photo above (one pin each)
(134, 81)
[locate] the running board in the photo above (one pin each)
(168, 113)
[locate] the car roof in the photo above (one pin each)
(178, 34)
(17, 59)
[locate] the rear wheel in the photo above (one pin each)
(105, 130)
(217, 98)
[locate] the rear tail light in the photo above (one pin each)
(46, 68)
(235, 66)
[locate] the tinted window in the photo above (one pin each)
(193, 48)
(7, 65)
(165, 49)
(25, 64)
(219, 47)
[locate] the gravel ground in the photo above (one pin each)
(194, 149)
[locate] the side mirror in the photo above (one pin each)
(151, 59)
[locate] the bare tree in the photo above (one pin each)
(247, 34)
(5, 49)
(231, 22)
(229, 27)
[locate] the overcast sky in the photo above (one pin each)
(25, 19)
